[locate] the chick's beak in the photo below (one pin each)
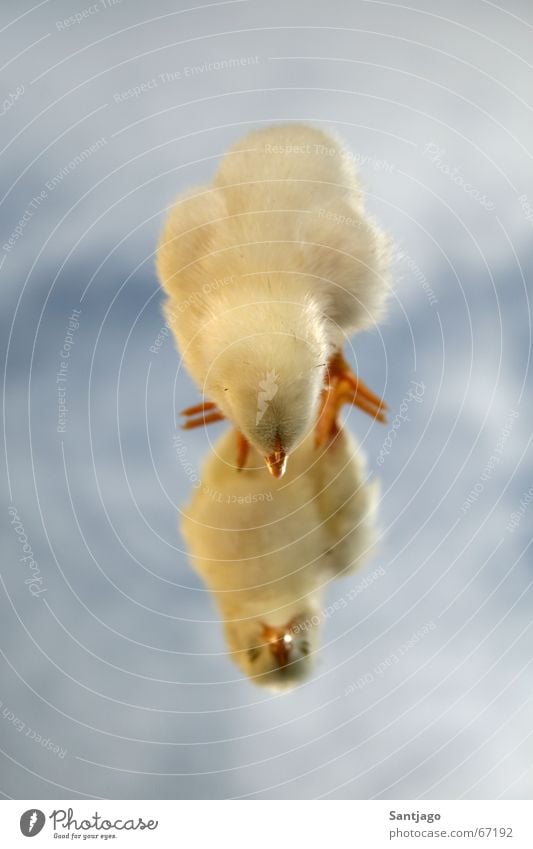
(279, 642)
(277, 461)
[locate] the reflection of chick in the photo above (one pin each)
(266, 548)
(267, 271)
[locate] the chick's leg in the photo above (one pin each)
(344, 387)
(243, 447)
(207, 413)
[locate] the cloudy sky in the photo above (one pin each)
(115, 681)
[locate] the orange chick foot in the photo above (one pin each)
(243, 447)
(343, 387)
(206, 413)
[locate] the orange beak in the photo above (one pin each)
(277, 461)
(279, 642)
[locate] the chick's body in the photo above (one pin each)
(267, 553)
(267, 271)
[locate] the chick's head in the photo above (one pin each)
(268, 377)
(273, 654)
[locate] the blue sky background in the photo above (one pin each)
(120, 662)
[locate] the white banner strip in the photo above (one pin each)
(265, 824)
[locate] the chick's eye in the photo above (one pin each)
(254, 653)
(304, 647)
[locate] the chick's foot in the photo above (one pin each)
(344, 387)
(205, 413)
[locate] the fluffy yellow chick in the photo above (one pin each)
(267, 271)
(267, 548)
